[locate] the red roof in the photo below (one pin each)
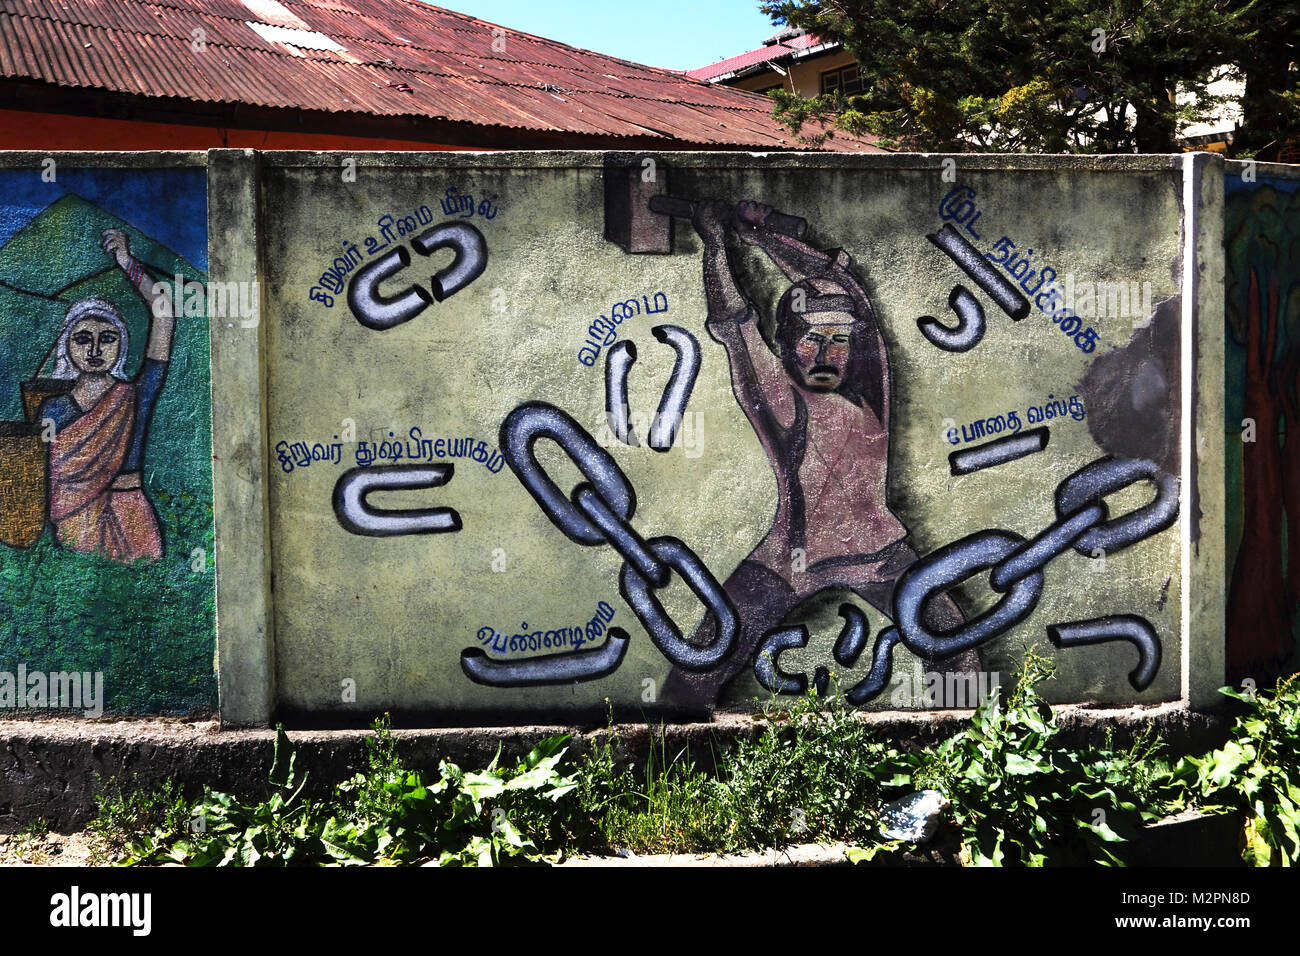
(399, 58)
(764, 53)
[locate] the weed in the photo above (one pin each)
(30, 845)
(676, 808)
(385, 815)
(813, 771)
(121, 814)
(1019, 799)
(1256, 773)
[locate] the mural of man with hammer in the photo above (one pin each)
(821, 411)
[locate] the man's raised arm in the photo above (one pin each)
(796, 259)
(758, 378)
(800, 261)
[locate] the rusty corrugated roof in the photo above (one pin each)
(774, 49)
(399, 58)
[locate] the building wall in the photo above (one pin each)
(803, 76)
(19, 129)
(404, 347)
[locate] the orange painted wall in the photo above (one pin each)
(23, 130)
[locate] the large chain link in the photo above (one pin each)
(1016, 570)
(598, 513)
(600, 509)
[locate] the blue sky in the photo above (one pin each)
(677, 34)
(170, 207)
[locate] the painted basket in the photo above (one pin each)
(39, 389)
(24, 484)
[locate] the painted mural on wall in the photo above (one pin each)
(1262, 246)
(707, 441)
(106, 541)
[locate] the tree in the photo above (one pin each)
(1261, 238)
(1271, 104)
(1023, 75)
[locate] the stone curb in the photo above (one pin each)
(48, 768)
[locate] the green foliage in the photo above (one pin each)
(1271, 102)
(1257, 774)
(388, 815)
(1021, 75)
(813, 773)
(122, 813)
(1020, 800)
(672, 808)
(816, 774)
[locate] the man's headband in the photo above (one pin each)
(830, 303)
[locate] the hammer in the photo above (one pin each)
(791, 226)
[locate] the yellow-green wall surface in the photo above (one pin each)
(337, 622)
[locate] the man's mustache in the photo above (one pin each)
(823, 370)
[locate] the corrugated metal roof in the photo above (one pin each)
(206, 51)
(770, 51)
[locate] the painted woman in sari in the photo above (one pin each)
(97, 500)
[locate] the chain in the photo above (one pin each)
(848, 647)
(1016, 572)
(601, 508)
(1118, 627)
(598, 513)
(672, 406)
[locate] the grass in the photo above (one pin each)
(122, 813)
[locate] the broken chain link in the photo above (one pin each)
(1016, 572)
(598, 513)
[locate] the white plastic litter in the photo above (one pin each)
(915, 817)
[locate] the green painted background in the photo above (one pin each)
(150, 628)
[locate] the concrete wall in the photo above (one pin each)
(460, 598)
(862, 388)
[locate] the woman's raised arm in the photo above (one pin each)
(162, 322)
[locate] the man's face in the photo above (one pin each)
(822, 353)
(93, 346)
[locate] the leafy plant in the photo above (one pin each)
(387, 815)
(1017, 799)
(219, 830)
(30, 844)
(673, 808)
(1256, 773)
(121, 814)
(463, 818)
(811, 774)
(815, 774)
